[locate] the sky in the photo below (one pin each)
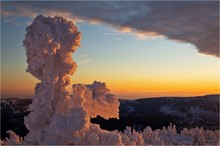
(139, 49)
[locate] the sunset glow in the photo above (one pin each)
(110, 72)
(133, 64)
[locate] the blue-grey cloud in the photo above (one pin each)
(195, 22)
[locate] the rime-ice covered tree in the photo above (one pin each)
(58, 118)
(55, 116)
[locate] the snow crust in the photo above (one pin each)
(60, 119)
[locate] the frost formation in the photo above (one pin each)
(58, 118)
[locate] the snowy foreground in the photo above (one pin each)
(165, 136)
(59, 119)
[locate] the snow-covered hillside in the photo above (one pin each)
(201, 111)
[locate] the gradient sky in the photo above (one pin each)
(133, 65)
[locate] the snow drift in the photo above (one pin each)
(58, 118)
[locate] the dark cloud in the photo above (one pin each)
(195, 22)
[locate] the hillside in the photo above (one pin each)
(184, 112)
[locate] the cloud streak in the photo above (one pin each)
(195, 22)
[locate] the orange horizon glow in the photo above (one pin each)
(130, 68)
(124, 94)
(131, 89)
(129, 86)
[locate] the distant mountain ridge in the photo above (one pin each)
(199, 111)
(189, 112)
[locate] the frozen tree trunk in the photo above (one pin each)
(55, 116)
(49, 44)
